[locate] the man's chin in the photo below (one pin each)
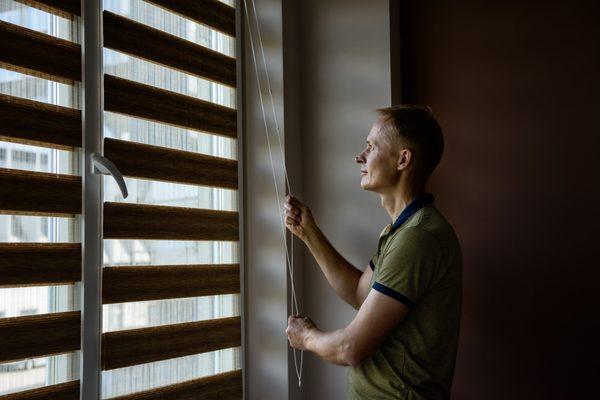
(365, 186)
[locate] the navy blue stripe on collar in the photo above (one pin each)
(412, 208)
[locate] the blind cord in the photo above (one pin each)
(289, 253)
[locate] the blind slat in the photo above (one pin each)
(224, 386)
(138, 346)
(140, 40)
(38, 122)
(39, 335)
(141, 283)
(213, 13)
(39, 193)
(35, 51)
(137, 221)
(39, 263)
(62, 391)
(162, 164)
(143, 101)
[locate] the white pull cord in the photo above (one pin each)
(289, 254)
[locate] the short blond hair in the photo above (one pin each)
(417, 126)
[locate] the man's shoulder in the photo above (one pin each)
(428, 229)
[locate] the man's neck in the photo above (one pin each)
(397, 199)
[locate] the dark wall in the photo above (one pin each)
(515, 85)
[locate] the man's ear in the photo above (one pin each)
(404, 159)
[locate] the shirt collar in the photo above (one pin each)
(410, 209)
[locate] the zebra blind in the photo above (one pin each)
(171, 279)
(40, 200)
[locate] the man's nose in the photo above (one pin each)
(359, 159)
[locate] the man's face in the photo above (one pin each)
(378, 161)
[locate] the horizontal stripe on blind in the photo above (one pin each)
(136, 221)
(39, 335)
(224, 386)
(215, 14)
(40, 123)
(61, 391)
(39, 193)
(138, 346)
(62, 8)
(162, 164)
(144, 101)
(140, 40)
(142, 283)
(24, 264)
(54, 58)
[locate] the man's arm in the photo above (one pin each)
(343, 277)
(374, 322)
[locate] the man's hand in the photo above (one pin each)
(298, 218)
(298, 330)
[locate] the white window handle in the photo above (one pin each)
(102, 165)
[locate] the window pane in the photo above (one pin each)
(38, 89)
(37, 20)
(26, 374)
(31, 373)
(39, 159)
(122, 381)
(138, 130)
(168, 252)
(144, 314)
(25, 228)
(33, 300)
(171, 194)
(128, 67)
(174, 24)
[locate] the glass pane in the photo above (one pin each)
(38, 89)
(127, 380)
(137, 130)
(144, 314)
(171, 194)
(125, 66)
(27, 374)
(31, 373)
(39, 159)
(33, 300)
(174, 24)
(37, 20)
(168, 252)
(25, 228)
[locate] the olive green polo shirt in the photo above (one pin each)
(418, 263)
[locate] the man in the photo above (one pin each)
(402, 343)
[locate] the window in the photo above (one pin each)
(25, 228)
(144, 252)
(188, 153)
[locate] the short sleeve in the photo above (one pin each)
(408, 266)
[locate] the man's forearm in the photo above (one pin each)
(340, 274)
(335, 346)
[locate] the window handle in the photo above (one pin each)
(102, 165)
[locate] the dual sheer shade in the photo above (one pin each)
(171, 276)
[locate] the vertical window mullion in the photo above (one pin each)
(92, 53)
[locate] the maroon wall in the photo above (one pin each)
(515, 84)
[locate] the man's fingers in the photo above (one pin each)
(292, 221)
(295, 202)
(291, 208)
